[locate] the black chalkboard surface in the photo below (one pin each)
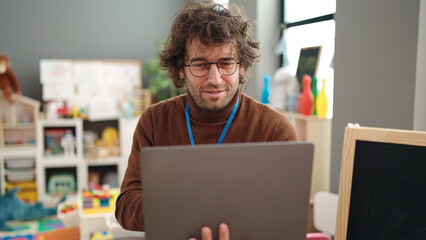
(388, 197)
(308, 62)
(382, 185)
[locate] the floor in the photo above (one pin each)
(52, 229)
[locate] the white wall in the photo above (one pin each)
(375, 68)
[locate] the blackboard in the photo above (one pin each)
(382, 185)
(388, 199)
(308, 62)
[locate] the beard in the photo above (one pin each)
(205, 96)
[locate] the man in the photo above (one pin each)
(209, 51)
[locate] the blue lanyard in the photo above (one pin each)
(225, 129)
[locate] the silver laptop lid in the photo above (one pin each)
(261, 190)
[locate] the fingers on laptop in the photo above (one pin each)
(206, 233)
(223, 231)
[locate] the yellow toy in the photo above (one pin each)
(27, 190)
(109, 144)
(322, 102)
(110, 135)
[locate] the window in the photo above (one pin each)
(223, 2)
(311, 23)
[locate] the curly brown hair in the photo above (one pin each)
(212, 24)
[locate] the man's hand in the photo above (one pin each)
(206, 233)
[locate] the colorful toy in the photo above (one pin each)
(64, 110)
(306, 100)
(35, 230)
(77, 113)
(266, 92)
(99, 200)
(67, 207)
(49, 224)
(12, 208)
(104, 235)
(126, 109)
(322, 102)
(94, 179)
(21, 237)
(110, 135)
(93, 219)
(61, 183)
(109, 144)
(53, 138)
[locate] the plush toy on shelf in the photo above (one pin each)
(8, 81)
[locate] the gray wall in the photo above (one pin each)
(375, 68)
(95, 29)
(250, 8)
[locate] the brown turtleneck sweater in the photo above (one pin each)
(164, 124)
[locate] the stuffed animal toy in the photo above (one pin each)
(8, 81)
(12, 208)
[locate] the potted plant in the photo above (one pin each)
(160, 85)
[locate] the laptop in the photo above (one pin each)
(261, 190)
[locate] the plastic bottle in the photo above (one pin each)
(322, 102)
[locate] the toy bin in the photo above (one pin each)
(68, 214)
(17, 176)
(19, 163)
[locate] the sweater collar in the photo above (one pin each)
(198, 114)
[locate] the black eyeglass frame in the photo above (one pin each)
(210, 63)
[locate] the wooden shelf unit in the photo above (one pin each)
(18, 144)
(318, 131)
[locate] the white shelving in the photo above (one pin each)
(12, 154)
(127, 128)
(51, 162)
(55, 162)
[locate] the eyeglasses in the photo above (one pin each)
(225, 66)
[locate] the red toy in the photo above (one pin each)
(306, 101)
